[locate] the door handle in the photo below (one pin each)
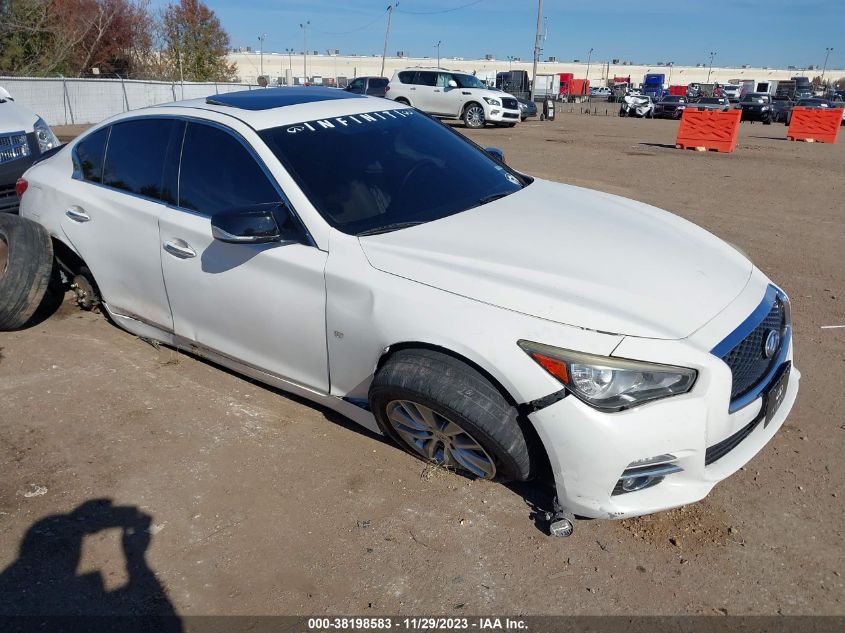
(77, 214)
(437, 90)
(179, 249)
(413, 88)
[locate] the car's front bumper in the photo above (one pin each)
(593, 449)
(497, 114)
(589, 450)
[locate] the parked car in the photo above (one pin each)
(807, 103)
(732, 92)
(24, 137)
(453, 95)
(371, 259)
(599, 92)
(671, 107)
(527, 108)
(780, 110)
(757, 106)
(640, 106)
(716, 104)
(372, 86)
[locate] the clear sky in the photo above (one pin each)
(773, 33)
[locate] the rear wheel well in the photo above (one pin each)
(542, 467)
(69, 261)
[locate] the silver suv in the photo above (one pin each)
(453, 95)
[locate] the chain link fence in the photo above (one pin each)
(61, 101)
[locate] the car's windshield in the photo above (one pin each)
(468, 81)
(387, 169)
(755, 98)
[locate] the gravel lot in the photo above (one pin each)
(254, 502)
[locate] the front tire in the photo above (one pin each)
(473, 116)
(444, 411)
(26, 269)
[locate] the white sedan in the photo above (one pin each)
(365, 256)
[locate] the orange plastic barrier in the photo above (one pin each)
(819, 125)
(702, 129)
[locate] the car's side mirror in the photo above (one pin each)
(496, 153)
(256, 224)
(452, 83)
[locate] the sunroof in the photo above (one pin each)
(268, 98)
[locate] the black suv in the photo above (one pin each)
(757, 106)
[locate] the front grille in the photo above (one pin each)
(747, 360)
(510, 104)
(13, 146)
(509, 115)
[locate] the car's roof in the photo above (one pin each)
(264, 108)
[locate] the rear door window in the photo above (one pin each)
(407, 76)
(218, 173)
(89, 155)
(426, 79)
(135, 158)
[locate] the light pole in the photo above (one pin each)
(304, 28)
(712, 55)
(261, 39)
(511, 59)
(439, 42)
(537, 36)
(390, 8)
(289, 51)
(589, 58)
(827, 52)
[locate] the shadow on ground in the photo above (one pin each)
(44, 582)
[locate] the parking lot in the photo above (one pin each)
(254, 502)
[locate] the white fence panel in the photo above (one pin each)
(61, 101)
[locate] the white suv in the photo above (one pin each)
(453, 95)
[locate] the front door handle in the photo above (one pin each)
(179, 249)
(77, 214)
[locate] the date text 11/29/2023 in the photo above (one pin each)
(415, 624)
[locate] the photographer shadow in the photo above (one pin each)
(43, 581)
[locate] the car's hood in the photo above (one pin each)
(16, 118)
(574, 256)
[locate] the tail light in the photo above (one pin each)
(387, 88)
(20, 187)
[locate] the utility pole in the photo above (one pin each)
(289, 51)
(712, 55)
(390, 8)
(261, 39)
(827, 52)
(537, 47)
(439, 42)
(304, 28)
(589, 58)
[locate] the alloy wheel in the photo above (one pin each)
(436, 438)
(475, 116)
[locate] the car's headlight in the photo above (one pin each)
(607, 383)
(492, 101)
(46, 138)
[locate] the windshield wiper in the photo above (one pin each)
(494, 196)
(387, 228)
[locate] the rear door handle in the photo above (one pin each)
(77, 214)
(179, 249)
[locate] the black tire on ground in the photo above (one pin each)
(403, 100)
(26, 267)
(459, 393)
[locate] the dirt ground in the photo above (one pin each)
(248, 501)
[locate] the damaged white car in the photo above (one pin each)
(365, 256)
(641, 106)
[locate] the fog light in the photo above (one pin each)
(494, 112)
(646, 472)
(638, 483)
